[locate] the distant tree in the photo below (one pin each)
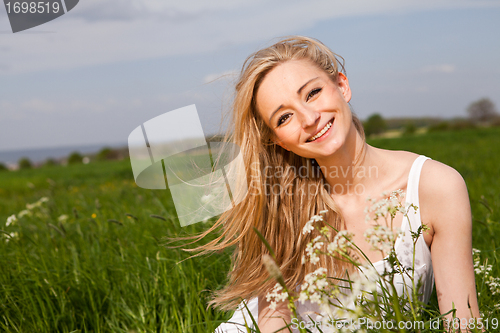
(482, 110)
(25, 163)
(496, 121)
(441, 126)
(375, 124)
(410, 128)
(50, 162)
(108, 153)
(75, 158)
(3, 167)
(461, 124)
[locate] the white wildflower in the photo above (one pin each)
(484, 270)
(11, 220)
(403, 210)
(314, 287)
(315, 298)
(62, 218)
(32, 206)
(320, 271)
(311, 250)
(10, 236)
(314, 259)
(368, 278)
(38, 204)
(399, 193)
(387, 206)
(341, 242)
(276, 295)
(303, 297)
(308, 227)
(23, 213)
(381, 238)
(317, 218)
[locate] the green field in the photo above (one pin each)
(101, 270)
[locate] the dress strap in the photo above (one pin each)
(412, 190)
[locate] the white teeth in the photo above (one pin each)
(323, 131)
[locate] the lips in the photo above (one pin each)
(322, 131)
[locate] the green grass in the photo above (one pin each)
(90, 274)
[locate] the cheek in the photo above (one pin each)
(286, 134)
(281, 135)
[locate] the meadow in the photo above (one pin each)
(92, 256)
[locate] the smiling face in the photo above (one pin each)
(307, 111)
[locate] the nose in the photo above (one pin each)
(308, 117)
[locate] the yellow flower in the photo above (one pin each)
(94, 215)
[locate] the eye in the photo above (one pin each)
(283, 118)
(313, 93)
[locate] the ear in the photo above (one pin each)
(343, 85)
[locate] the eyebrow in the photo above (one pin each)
(298, 93)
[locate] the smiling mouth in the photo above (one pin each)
(322, 132)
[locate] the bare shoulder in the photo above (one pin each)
(443, 196)
(437, 179)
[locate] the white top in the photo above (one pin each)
(404, 251)
(404, 243)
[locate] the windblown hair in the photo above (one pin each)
(279, 200)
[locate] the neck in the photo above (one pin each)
(348, 170)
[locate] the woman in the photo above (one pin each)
(294, 126)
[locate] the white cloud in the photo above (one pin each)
(36, 108)
(67, 108)
(444, 68)
(52, 122)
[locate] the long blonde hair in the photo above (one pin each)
(279, 217)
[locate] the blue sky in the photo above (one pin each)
(93, 75)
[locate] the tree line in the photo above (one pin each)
(482, 112)
(75, 157)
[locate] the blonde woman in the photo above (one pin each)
(305, 151)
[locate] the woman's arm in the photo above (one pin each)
(272, 320)
(446, 209)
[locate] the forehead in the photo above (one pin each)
(283, 81)
(290, 73)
